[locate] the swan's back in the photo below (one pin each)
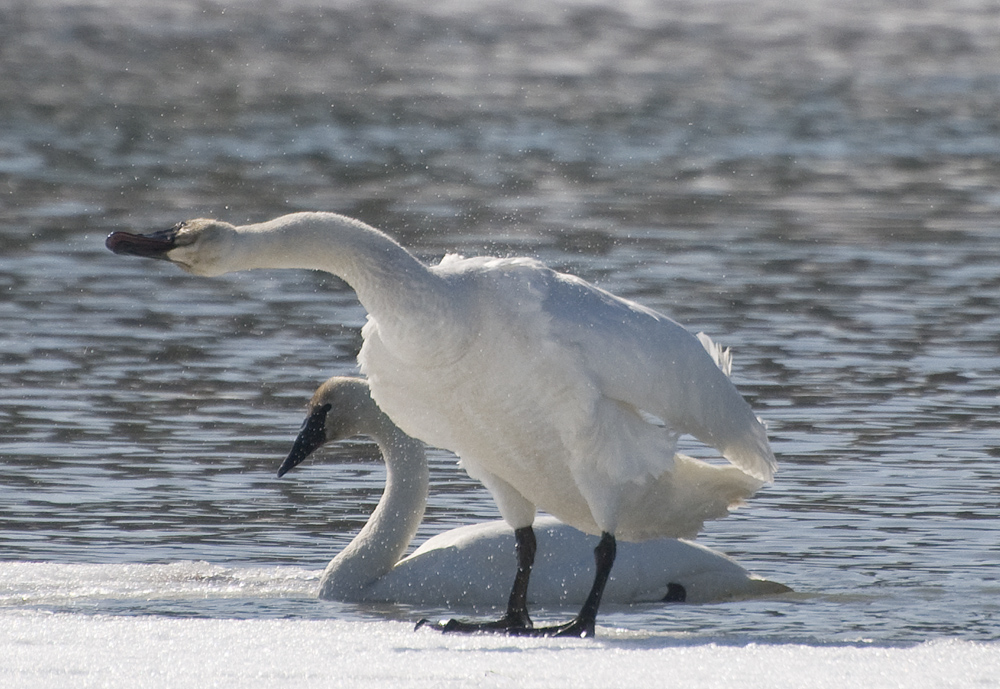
(470, 567)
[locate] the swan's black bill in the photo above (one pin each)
(155, 245)
(311, 437)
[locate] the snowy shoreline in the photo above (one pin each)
(55, 649)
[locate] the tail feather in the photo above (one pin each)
(685, 497)
(751, 452)
(722, 356)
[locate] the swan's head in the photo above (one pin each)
(340, 408)
(198, 246)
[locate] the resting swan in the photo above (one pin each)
(554, 393)
(465, 567)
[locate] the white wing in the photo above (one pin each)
(643, 360)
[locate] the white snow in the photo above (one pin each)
(73, 650)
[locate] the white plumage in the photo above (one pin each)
(470, 566)
(543, 384)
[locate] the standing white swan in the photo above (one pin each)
(465, 566)
(554, 393)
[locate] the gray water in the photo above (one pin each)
(815, 184)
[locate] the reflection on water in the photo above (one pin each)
(814, 186)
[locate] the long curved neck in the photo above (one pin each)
(386, 277)
(393, 523)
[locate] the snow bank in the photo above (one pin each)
(71, 650)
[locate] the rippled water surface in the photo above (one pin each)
(815, 184)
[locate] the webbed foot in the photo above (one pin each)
(514, 625)
(578, 627)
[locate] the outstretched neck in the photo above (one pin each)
(383, 540)
(379, 269)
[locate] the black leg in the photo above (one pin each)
(516, 619)
(586, 620)
(516, 622)
(517, 604)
